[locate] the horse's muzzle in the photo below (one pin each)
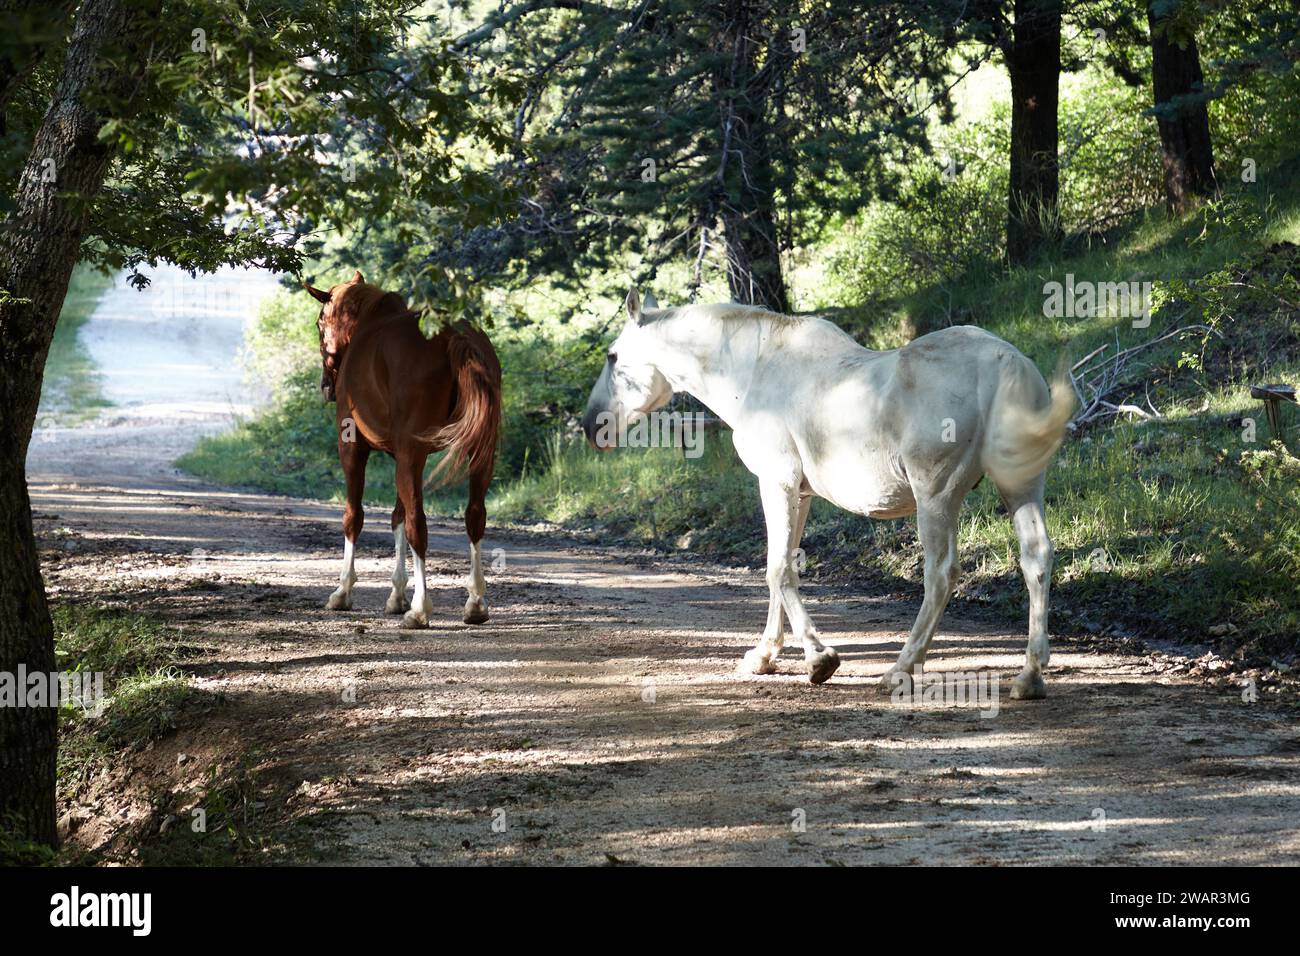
(327, 389)
(593, 425)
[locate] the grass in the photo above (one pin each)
(145, 695)
(70, 390)
(145, 689)
(119, 644)
(220, 820)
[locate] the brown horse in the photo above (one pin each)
(409, 396)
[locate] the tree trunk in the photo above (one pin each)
(747, 204)
(1187, 153)
(754, 256)
(1033, 60)
(39, 246)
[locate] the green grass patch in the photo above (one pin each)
(148, 696)
(145, 691)
(117, 643)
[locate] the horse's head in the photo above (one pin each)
(630, 385)
(340, 307)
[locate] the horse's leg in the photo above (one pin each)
(761, 659)
(1026, 510)
(781, 506)
(476, 609)
(936, 525)
(353, 456)
(397, 602)
(800, 521)
(410, 492)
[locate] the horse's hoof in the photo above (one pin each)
(339, 601)
(757, 661)
(475, 613)
(415, 619)
(396, 604)
(822, 665)
(892, 679)
(1029, 685)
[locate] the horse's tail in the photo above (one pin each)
(471, 436)
(1026, 425)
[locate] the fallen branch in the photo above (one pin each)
(1108, 376)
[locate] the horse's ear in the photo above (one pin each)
(650, 301)
(320, 295)
(633, 306)
(358, 277)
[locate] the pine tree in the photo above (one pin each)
(715, 133)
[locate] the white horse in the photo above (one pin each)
(884, 434)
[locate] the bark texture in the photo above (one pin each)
(1033, 59)
(1186, 151)
(39, 246)
(747, 179)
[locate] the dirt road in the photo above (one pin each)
(598, 718)
(598, 713)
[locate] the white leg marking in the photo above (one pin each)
(397, 602)
(341, 600)
(421, 603)
(476, 610)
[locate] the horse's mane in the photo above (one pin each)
(371, 302)
(730, 312)
(382, 305)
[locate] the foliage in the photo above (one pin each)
(18, 852)
(146, 691)
(282, 345)
(941, 226)
(257, 126)
(237, 826)
(718, 134)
